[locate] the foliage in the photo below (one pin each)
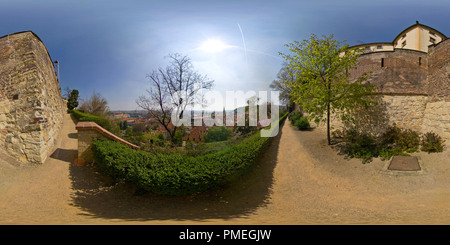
(299, 121)
(360, 145)
(72, 100)
(322, 86)
(86, 117)
(178, 174)
(217, 134)
(394, 141)
(432, 142)
(302, 123)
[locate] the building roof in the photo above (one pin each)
(419, 25)
(401, 34)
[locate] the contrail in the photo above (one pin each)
(243, 40)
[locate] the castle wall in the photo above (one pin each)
(399, 71)
(437, 112)
(414, 90)
(31, 105)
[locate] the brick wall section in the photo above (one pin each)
(90, 131)
(439, 71)
(398, 71)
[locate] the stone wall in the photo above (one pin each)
(413, 87)
(399, 71)
(438, 86)
(31, 105)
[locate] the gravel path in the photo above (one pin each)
(299, 180)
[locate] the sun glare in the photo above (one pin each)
(213, 46)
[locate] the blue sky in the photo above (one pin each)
(110, 46)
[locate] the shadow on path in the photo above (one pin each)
(98, 197)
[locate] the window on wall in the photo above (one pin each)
(379, 47)
(432, 40)
(432, 33)
(403, 44)
(420, 61)
(382, 62)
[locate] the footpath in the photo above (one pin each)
(299, 180)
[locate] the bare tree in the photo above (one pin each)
(285, 78)
(172, 90)
(95, 105)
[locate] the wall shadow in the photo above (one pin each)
(64, 155)
(73, 135)
(98, 196)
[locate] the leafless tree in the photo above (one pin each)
(173, 89)
(95, 105)
(285, 77)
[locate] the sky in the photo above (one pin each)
(109, 46)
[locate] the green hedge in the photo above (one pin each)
(177, 174)
(85, 117)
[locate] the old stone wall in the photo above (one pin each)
(31, 105)
(413, 87)
(399, 71)
(438, 86)
(437, 111)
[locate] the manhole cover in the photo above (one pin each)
(404, 163)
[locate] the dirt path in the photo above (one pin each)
(299, 180)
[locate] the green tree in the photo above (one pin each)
(217, 134)
(72, 101)
(321, 67)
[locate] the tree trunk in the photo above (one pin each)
(328, 124)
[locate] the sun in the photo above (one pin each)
(213, 46)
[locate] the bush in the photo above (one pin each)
(394, 141)
(178, 174)
(432, 142)
(302, 123)
(360, 145)
(218, 134)
(85, 117)
(299, 121)
(408, 140)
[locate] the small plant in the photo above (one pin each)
(360, 145)
(432, 142)
(408, 140)
(302, 123)
(299, 121)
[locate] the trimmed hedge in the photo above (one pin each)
(85, 117)
(177, 174)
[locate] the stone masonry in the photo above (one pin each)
(31, 105)
(413, 88)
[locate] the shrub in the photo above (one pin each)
(394, 137)
(432, 142)
(394, 141)
(178, 174)
(85, 117)
(302, 123)
(360, 145)
(218, 134)
(408, 140)
(294, 116)
(299, 121)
